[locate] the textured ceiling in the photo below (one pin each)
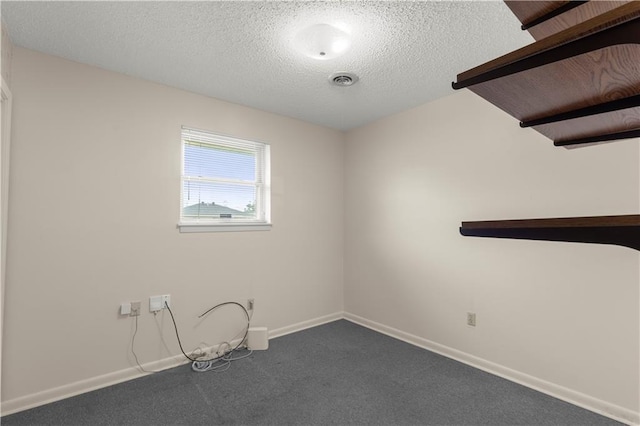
(406, 53)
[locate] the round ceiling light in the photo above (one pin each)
(343, 79)
(322, 41)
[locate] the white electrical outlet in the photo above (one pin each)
(471, 319)
(166, 301)
(157, 303)
(135, 309)
(125, 308)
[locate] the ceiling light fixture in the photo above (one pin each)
(322, 41)
(343, 79)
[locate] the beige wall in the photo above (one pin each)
(94, 206)
(5, 144)
(565, 313)
(6, 54)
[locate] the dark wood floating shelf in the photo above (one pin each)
(618, 230)
(580, 82)
(528, 22)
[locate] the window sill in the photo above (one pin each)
(223, 227)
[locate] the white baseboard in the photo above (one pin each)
(305, 324)
(72, 389)
(590, 403)
(604, 408)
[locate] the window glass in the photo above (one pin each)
(225, 181)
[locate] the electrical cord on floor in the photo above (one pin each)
(221, 362)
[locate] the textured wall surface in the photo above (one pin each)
(564, 313)
(95, 190)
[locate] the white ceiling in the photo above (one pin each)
(406, 53)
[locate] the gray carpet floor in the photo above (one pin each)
(335, 374)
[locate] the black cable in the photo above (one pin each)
(246, 333)
(175, 326)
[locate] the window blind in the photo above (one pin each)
(225, 180)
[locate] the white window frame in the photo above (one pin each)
(262, 185)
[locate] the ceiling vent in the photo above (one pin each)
(343, 79)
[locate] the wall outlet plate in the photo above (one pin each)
(135, 309)
(125, 308)
(471, 319)
(157, 303)
(166, 298)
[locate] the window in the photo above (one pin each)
(225, 183)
